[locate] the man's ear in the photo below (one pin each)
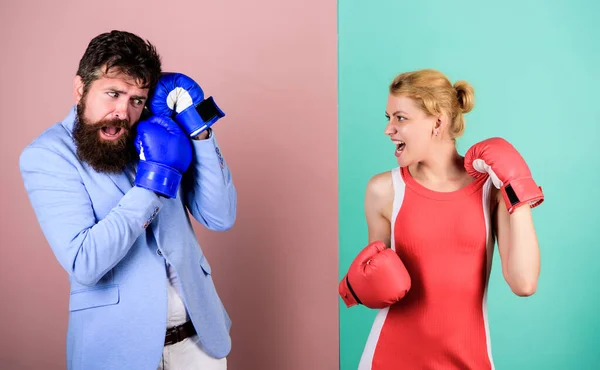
(77, 88)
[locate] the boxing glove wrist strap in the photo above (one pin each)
(349, 299)
(159, 178)
(521, 191)
(197, 119)
(352, 291)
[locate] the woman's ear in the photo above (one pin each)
(435, 130)
(441, 121)
(439, 125)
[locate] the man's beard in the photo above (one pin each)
(103, 155)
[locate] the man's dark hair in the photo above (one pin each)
(126, 53)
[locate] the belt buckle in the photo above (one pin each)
(174, 331)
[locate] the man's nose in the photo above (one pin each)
(121, 110)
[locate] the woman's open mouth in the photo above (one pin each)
(399, 148)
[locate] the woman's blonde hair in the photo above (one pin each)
(434, 92)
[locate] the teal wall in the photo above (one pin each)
(536, 72)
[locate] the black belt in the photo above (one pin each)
(179, 333)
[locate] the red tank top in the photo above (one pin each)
(446, 242)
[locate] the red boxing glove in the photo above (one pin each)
(508, 170)
(376, 278)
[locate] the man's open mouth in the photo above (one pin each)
(111, 132)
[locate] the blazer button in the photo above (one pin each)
(159, 252)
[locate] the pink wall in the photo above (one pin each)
(272, 67)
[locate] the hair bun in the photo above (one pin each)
(465, 95)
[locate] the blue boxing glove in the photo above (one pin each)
(178, 95)
(165, 154)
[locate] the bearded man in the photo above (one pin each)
(112, 187)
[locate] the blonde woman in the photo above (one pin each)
(441, 214)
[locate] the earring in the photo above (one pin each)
(436, 131)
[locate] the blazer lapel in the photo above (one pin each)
(122, 182)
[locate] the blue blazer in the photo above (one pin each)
(113, 238)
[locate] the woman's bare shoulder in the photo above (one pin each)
(380, 194)
(381, 184)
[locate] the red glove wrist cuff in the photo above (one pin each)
(347, 294)
(522, 191)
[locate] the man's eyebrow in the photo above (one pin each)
(114, 89)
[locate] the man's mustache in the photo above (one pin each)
(124, 124)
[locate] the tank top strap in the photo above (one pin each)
(399, 188)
